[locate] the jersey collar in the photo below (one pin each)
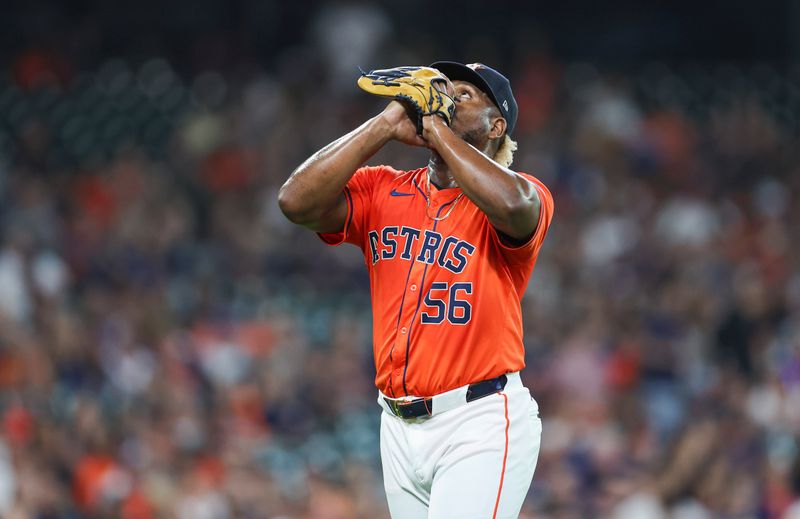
(437, 196)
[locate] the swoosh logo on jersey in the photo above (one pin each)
(396, 193)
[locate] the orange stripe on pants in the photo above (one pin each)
(505, 457)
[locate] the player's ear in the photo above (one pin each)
(498, 128)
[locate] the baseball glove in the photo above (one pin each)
(424, 88)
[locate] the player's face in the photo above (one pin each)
(473, 116)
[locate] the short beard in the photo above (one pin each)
(475, 137)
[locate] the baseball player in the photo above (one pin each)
(449, 248)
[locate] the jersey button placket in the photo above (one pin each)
(409, 307)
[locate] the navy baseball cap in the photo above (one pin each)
(493, 83)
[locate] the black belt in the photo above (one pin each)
(424, 406)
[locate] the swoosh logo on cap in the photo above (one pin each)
(396, 193)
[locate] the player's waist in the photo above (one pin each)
(411, 407)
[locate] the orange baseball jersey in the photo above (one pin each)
(445, 294)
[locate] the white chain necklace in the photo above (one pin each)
(428, 202)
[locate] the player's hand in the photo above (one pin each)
(432, 128)
(401, 121)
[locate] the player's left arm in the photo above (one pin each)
(510, 201)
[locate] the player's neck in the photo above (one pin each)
(439, 173)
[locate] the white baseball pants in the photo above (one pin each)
(472, 462)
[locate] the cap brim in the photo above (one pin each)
(458, 71)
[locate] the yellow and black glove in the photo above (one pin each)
(425, 89)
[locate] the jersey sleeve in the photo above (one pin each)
(358, 195)
(530, 249)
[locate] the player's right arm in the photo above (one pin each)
(313, 195)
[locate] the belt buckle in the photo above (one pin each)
(396, 405)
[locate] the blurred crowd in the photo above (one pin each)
(170, 346)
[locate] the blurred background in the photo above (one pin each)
(170, 346)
